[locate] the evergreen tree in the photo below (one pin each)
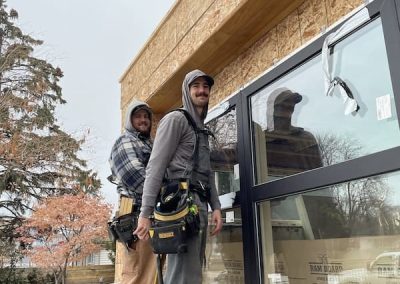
(37, 158)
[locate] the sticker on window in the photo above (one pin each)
(230, 216)
(236, 171)
(383, 107)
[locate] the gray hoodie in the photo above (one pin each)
(173, 147)
(133, 107)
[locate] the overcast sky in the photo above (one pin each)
(93, 42)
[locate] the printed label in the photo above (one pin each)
(383, 107)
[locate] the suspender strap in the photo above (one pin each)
(195, 153)
(201, 189)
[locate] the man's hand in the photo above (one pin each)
(142, 230)
(216, 221)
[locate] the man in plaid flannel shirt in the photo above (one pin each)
(128, 160)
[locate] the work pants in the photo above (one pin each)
(139, 264)
(185, 268)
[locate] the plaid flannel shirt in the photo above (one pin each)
(128, 161)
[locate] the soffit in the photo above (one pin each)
(237, 33)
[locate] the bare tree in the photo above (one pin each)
(361, 205)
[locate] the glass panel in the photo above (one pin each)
(224, 162)
(296, 127)
(345, 233)
(224, 253)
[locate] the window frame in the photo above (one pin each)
(373, 164)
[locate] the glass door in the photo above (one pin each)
(323, 185)
(344, 233)
(224, 253)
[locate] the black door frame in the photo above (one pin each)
(374, 164)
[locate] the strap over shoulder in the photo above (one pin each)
(192, 123)
(197, 130)
(189, 118)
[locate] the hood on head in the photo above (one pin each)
(135, 106)
(278, 97)
(187, 101)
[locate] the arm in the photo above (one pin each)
(214, 200)
(166, 141)
(168, 137)
(216, 216)
(126, 165)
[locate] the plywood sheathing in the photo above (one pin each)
(182, 17)
(236, 34)
(263, 53)
(178, 45)
(313, 19)
(183, 52)
(297, 28)
(189, 25)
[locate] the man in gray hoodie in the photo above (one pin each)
(172, 150)
(129, 156)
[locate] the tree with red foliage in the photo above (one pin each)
(65, 229)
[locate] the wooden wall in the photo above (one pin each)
(190, 23)
(304, 23)
(92, 274)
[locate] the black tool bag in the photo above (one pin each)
(121, 228)
(176, 218)
(169, 237)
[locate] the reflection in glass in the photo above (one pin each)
(224, 253)
(289, 149)
(345, 232)
(224, 152)
(296, 127)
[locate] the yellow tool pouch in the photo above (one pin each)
(175, 219)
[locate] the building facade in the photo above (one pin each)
(306, 157)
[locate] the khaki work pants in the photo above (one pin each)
(139, 265)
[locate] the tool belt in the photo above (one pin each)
(176, 218)
(122, 227)
(202, 191)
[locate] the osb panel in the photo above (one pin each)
(289, 36)
(313, 18)
(339, 8)
(118, 264)
(299, 27)
(205, 26)
(159, 46)
(219, 91)
(164, 43)
(197, 21)
(156, 120)
(188, 13)
(249, 65)
(267, 50)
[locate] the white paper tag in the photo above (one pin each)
(277, 278)
(236, 171)
(230, 216)
(383, 107)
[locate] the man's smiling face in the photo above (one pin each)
(199, 92)
(141, 121)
